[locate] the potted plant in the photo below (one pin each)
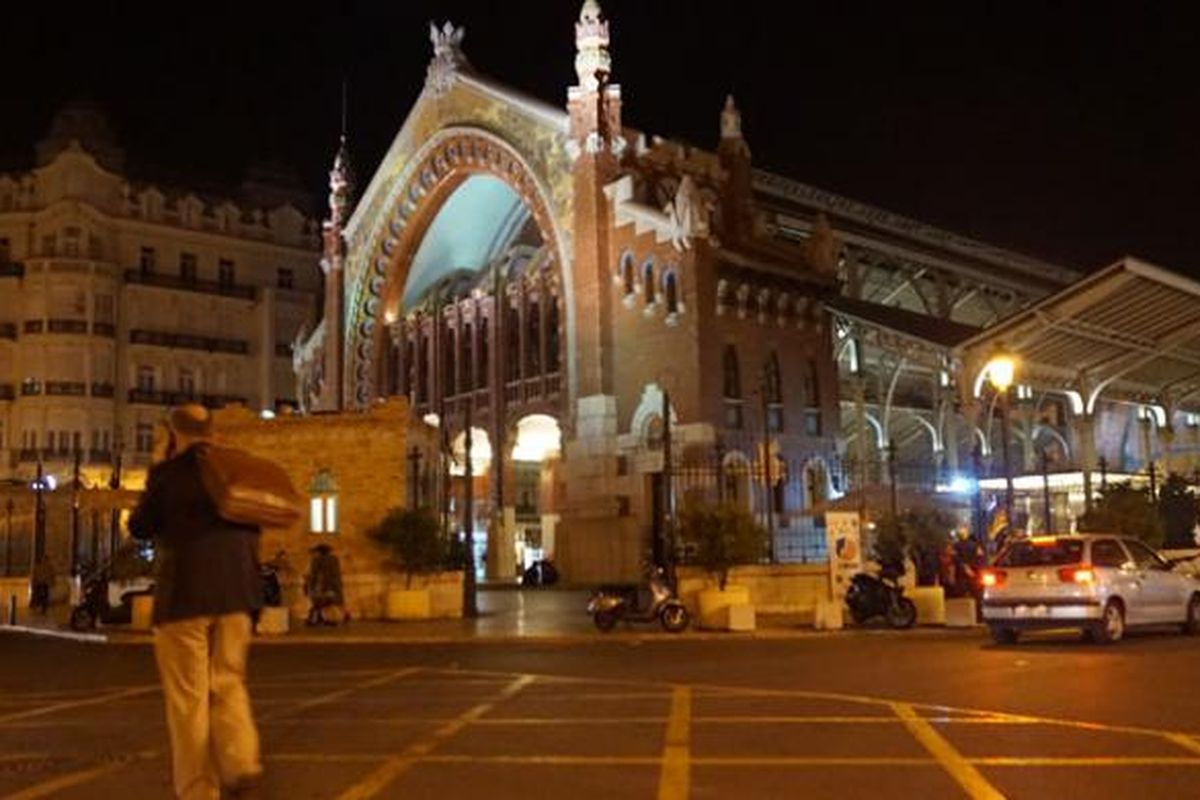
(721, 537)
(414, 539)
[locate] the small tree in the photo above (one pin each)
(1177, 510)
(723, 536)
(414, 538)
(1125, 510)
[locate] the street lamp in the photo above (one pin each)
(1000, 372)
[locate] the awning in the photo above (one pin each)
(1129, 332)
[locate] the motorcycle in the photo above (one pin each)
(870, 596)
(649, 603)
(95, 603)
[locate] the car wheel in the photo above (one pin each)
(1002, 635)
(1191, 624)
(1110, 629)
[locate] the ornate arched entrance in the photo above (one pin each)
(451, 159)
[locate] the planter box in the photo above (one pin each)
(407, 604)
(713, 605)
(930, 602)
(960, 612)
(273, 621)
(143, 612)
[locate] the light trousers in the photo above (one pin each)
(202, 664)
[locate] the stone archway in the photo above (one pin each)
(397, 226)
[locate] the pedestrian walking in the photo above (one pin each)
(207, 587)
(323, 585)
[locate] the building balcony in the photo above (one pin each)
(150, 397)
(33, 326)
(12, 269)
(8, 330)
(73, 326)
(66, 389)
(187, 341)
(102, 389)
(104, 329)
(144, 278)
(31, 389)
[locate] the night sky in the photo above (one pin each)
(1071, 133)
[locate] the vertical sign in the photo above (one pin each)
(843, 532)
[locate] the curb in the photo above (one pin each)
(54, 633)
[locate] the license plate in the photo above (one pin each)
(1031, 611)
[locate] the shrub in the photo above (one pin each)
(414, 538)
(722, 536)
(1125, 510)
(919, 534)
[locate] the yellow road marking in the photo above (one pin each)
(53, 786)
(969, 778)
(1184, 740)
(66, 706)
(1085, 761)
(50, 787)
(674, 781)
(394, 767)
(338, 694)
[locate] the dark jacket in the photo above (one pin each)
(204, 565)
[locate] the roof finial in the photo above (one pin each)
(731, 120)
(591, 46)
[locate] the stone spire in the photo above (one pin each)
(591, 46)
(341, 184)
(731, 120)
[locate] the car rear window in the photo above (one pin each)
(1042, 553)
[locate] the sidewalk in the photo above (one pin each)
(550, 616)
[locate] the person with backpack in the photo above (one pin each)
(207, 587)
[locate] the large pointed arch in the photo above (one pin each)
(395, 232)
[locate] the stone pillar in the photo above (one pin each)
(1171, 462)
(950, 434)
(860, 435)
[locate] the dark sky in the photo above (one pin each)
(1069, 131)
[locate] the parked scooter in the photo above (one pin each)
(653, 602)
(94, 604)
(870, 596)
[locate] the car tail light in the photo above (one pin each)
(992, 577)
(1080, 574)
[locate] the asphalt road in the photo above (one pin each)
(923, 714)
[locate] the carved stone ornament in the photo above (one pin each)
(448, 57)
(688, 214)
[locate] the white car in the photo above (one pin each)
(1099, 583)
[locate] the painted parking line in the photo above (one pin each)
(952, 761)
(54, 785)
(69, 705)
(674, 782)
(393, 768)
(338, 694)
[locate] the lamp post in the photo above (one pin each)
(470, 606)
(1000, 371)
(39, 513)
(114, 483)
(75, 484)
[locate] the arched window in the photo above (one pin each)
(512, 367)
(628, 278)
(731, 388)
(553, 357)
(533, 338)
(483, 365)
(671, 292)
(773, 386)
(448, 374)
(648, 282)
(323, 504)
(733, 378)
(466, 378)
(406, 381)
(422, 367)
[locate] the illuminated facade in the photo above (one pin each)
(120, 297)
